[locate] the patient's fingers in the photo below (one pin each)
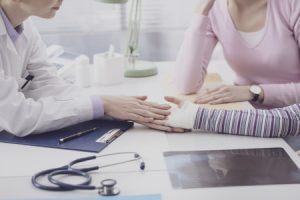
(158, 127)
(174, 100)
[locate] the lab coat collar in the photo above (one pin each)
(13, 32)
(9, 43)
(3, 30)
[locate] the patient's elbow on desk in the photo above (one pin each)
(187, 89)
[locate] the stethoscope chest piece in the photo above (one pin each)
(107, 188)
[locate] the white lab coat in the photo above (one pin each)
(47, 103)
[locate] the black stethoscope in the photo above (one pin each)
(106, 187)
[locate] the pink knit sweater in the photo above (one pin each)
(274, 63)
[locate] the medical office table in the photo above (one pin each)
(18, 163)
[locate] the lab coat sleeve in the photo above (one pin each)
(194, 55)
(22, 116)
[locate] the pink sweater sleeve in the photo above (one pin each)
(194, 55)
(280, 95)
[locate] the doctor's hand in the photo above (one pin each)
(205, 6)
(134, 109)
(224, 94)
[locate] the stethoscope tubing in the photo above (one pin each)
(85, 185)
(69, 170)
(56, 188)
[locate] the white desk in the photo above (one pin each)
(18, 163)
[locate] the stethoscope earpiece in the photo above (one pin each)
(142, 165)
(107, 188)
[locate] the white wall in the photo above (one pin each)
(87, 26)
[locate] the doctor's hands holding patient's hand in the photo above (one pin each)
(224, 94)
(138, 110)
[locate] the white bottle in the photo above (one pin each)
(83, 71)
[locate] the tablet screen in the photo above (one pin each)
(220, 168)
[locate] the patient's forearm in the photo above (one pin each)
(260, 123)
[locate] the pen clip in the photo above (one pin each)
(28, 79)
(110, 136)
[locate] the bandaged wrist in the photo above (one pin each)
(183, 117)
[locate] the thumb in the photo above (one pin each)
(174, 100)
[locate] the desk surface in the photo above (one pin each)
(19, 163)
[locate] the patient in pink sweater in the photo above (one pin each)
(260, 40)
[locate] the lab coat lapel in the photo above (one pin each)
(10, 45)
(19, 45)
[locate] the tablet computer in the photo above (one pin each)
(221, 168)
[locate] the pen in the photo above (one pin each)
(76, 135)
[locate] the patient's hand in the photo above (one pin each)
(162, 125)
(225, 94)
(182, 116)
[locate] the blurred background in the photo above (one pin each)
(89, 27)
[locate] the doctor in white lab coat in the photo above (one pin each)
(47, 102)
